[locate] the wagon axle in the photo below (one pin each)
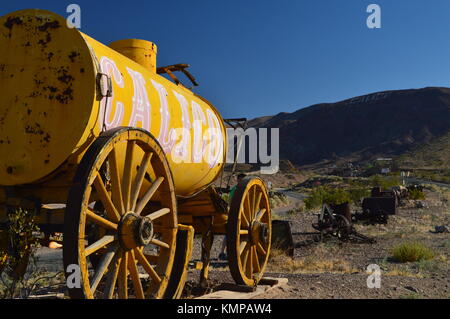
(259, 232)
(135, 231)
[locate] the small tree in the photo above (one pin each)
(18, 246)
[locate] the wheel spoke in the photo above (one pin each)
(245, 254)
(260, 214)
(249, 267)
(102, 242)
(256, 260)
(148, 195)
(246, 222)
(115, 181)
(112, 276)
(258, 201)
(159, 243)
(159, 213)
(111, 210)
(146, 265)
(123, 274)
(243, 232)
(135, 276)
(100, 220)
(254, 202)
(102, 267)
(249, 209)
(243, 246)
(261, 249)
(127, 175)
(139, 179)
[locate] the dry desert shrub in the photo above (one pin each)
(280, 262)
(411, 251)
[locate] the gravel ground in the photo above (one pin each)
(426, 279)
(346, 277)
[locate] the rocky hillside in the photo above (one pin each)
(386, 123)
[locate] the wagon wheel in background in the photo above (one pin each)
(249, 231)
(343, 227)
(132, 232)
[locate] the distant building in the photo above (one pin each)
(385, 165)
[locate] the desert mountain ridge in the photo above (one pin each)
(388, 123)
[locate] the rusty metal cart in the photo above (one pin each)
(103, 148)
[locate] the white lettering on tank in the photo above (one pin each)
(141, 103)
(166, 135)
(215, 153)
(199, 121)
(181, 149)
(110, 68)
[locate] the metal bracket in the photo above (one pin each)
(104, 91)
(235, 123)
(174, 68)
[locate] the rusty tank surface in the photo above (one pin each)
(119, 159)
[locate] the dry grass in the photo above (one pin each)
(403, 273)
(279, 262)
(411, 251)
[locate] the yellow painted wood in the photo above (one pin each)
(52, 108)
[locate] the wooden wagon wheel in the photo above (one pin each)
(132, 232)
(343, 227)
(249, 231)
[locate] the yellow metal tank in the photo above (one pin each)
(60, 89)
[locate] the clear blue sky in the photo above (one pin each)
(257, 57)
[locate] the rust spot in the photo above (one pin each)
(29, 111)
(7, 141)
(66, 95)
(51, 89)
(65, 77)
(73, 55)
(47, 39)
(11, 21)
(50, 56)
(47, 138)
(35, 94)
(49, 25)
(35, 130)
(68, 91)
(82, 70)
(46, 161)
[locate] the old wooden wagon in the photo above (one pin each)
(121, 160)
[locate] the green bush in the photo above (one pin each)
(411, 251)
(357, 194)
(385, 182)
(321, 195)
(416, 194)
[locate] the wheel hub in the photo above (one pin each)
(135, 231)
(259, 232)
